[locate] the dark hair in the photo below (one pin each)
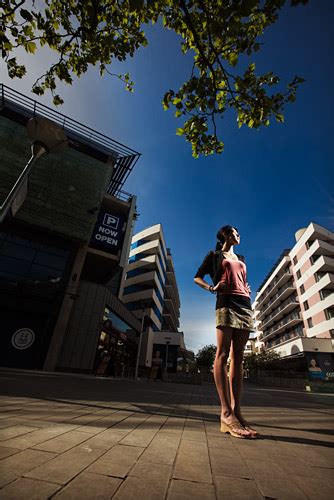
(221, 237)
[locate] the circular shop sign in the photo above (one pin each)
(23, 338)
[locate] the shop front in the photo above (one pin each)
(117, 347)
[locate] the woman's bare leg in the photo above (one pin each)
(239, 340)
(224, 337)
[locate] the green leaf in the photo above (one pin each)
(279, 118)
(26, 15)
(57, 100)
(30, 47)
(233, 58)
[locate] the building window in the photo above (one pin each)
(310, 323)
(329, 313)
(324, 293)
(332, 333)
(302, 289)
(314, 259)
(318, 276)
(306, 306)
(295, 260)
(299, 274)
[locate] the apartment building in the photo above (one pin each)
(149, 288)
(171, 309)
(294, 306)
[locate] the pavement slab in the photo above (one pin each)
(64, 467)
(187, 490)
(236, 488)
(192, 462)
(24, 488)
(16, 465)
(117, 462)
(89, 486)
(146, 482)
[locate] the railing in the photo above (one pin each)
(273, 285)
(275, 297)
(295, 333)
(121, 195)
(280, 308)
(281, 323)
(16, 100)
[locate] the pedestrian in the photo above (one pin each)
(103, 366)
(156, 369)
(233, 325)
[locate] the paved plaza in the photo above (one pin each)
(78, 437)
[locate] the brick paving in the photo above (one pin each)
(77, 437)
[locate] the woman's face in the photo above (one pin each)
(233, 237)
(313, 363)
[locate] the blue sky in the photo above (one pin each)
(268, 183)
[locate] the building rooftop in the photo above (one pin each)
(21, 108)
(283, 254)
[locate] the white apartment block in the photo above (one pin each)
(294, 306)
(149, 286)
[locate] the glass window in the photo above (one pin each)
(43, 273)
(295, 260)
(54, 250)
(309, 322)
(14, 267)
(329, 313)
(117, 322)
(302, 289)
(325, 293)
(17, 251)
(21, 259)
(306, 306)
(299, 274)
(47, 259)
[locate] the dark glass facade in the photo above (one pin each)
(34, 270)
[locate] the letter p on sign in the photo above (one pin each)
(110, 221)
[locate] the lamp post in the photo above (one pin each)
(140, 341)
(167, 339)
(47, 137)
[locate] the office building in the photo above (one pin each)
(294, 306)
(62, 253)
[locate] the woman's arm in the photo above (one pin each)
(203, 284)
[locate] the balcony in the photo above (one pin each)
(286, 306)
(293, 335)
(288, 321)
(320, 247)
(280, 295)
(278, 282)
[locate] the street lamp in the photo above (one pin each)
(47, 137)
(167, 339)
(140, 339)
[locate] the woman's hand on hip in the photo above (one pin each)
(221, 287)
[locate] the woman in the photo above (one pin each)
(233, 324)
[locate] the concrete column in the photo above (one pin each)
(65, 312)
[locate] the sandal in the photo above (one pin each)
(233, 429)
(253, 433)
